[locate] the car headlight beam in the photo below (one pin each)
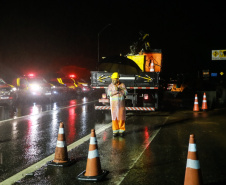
(35, 87)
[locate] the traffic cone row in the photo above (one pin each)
(93, 170)
(193, 171)
(196, 103)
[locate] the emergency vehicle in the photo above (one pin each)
(32, 87)
(138, 70)
(7, 93)
(80, 87)
(59, 91)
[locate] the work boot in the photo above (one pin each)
(122, 134)
(115, 134)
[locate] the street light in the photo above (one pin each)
(98, 47)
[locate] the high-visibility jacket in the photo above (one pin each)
(117, 101)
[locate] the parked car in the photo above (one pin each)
(7, 93)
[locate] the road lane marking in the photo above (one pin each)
(146, 144)
(43, 162)
(47, 111)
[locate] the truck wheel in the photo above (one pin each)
(156, 100)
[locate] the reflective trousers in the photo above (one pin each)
(118, 126)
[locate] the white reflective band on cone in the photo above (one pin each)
(192, 148)
(93, 141)
(61, 144)
(193, 164)
(61, 130)
(204, 101)
(196, 98)
(93, 154)
(196, 102)
(204, 96)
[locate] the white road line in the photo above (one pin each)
(41, 163)
(48, 111)
(154, 133)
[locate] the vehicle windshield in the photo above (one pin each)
(68, 80)
(56, 83)
(81, 80)
(2, 82)
(37, 80)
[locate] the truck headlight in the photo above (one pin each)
(35, 87)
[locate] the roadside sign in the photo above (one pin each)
(219, 54)
(214, 74)
(205, 74)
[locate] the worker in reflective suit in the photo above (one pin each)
(117, 92)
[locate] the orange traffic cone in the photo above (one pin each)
(61, 155)
(193, 171)
(204, 102)
(196, 104)
(93, 170)
(152, 67)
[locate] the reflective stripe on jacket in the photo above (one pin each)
(117, 101)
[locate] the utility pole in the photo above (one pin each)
(98, 46)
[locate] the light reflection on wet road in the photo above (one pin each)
(30, 134)
(134, 158)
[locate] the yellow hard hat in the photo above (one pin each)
(115, 75)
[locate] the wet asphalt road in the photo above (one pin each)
(154, 150)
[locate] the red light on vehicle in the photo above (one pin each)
(72, 75)
(104, 96)
(31, 75)
(146, 96)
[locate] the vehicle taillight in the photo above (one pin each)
(72, 75)
(146, 96)
(104, 96)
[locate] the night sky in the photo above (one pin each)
(45, 35)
